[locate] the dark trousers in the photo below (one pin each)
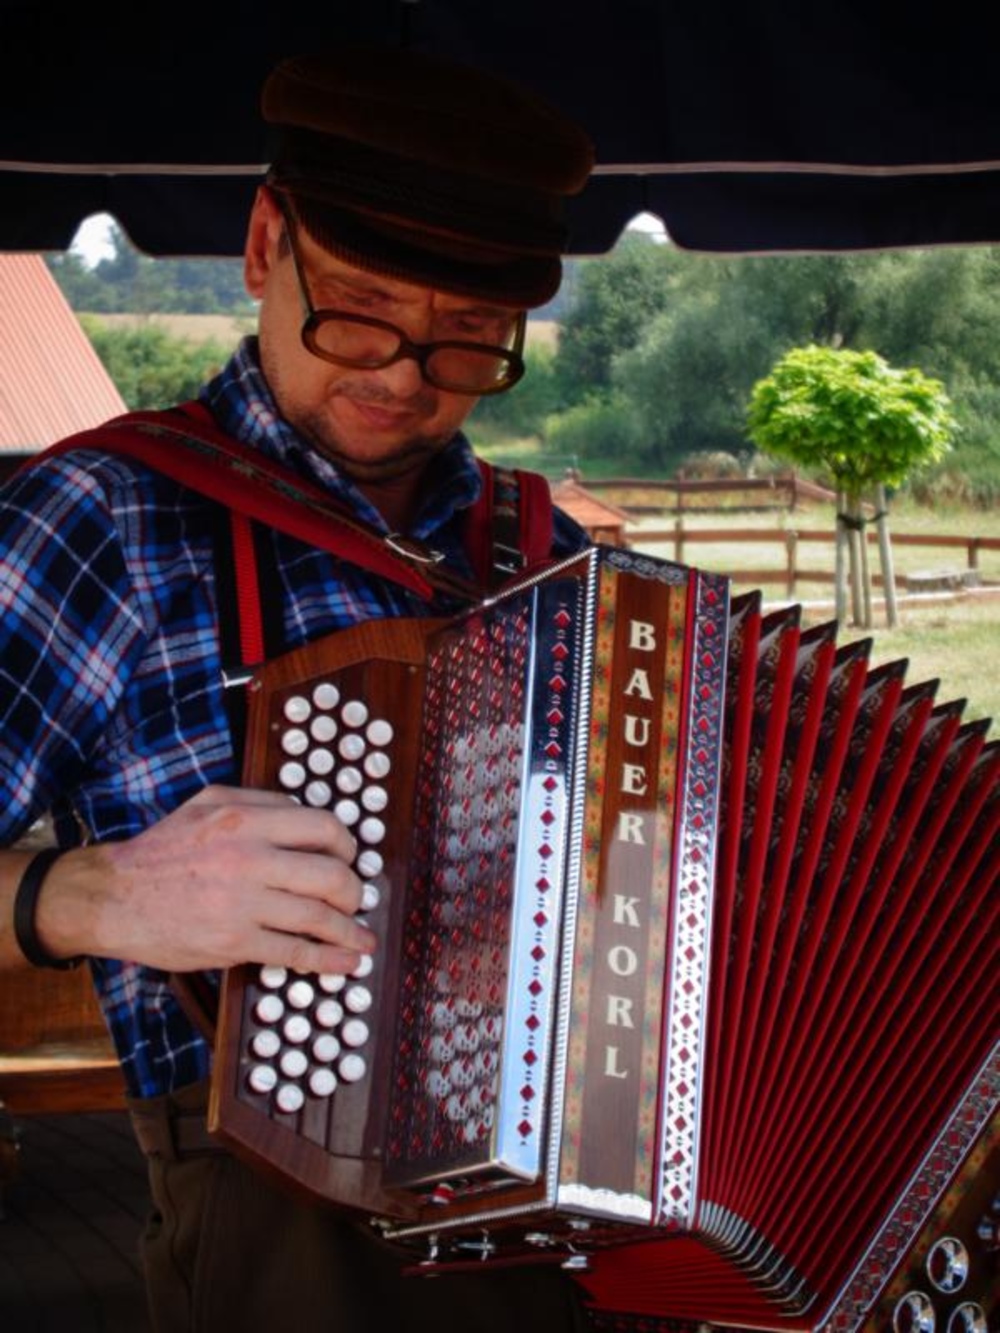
(225, 1249)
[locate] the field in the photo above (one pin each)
(954, 639)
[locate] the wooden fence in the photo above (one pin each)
(785, 492)
(791, 573)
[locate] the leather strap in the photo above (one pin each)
(184, 443)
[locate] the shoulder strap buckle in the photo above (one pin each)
(410, 549)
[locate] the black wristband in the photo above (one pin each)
(25, 903)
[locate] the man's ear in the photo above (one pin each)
(262, 248)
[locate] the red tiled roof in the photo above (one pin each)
(52, 382)
(585, 507)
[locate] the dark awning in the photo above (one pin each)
(745, 127)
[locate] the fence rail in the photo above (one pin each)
(782, 491)
(792, 539)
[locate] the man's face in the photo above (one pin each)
(377, 425)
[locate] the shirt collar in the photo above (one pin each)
(240, 399)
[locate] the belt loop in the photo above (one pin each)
(166, 1131)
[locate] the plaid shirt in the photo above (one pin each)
(111, 705)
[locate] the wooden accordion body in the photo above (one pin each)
(688, 950)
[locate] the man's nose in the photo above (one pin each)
(403, 378)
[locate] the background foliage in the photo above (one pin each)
(658, 349)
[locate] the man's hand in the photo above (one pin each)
(232, 876)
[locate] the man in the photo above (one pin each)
(409, 220)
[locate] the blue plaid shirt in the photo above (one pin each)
(111, 705)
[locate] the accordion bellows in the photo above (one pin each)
(688, 962)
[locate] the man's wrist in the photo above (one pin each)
(55, 933)
(26, 908)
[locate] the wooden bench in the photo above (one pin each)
(55, 1052)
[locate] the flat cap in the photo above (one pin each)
(416, 167)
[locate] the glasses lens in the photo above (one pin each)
(471, 369)
(353, 342)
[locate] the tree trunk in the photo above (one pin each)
(865, 565)
(855, 534)
(841, 554)
(885, 557)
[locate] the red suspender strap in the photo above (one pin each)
(248, 602)
(535, 518)
(186, 445)
(508, 530)
(477, 532)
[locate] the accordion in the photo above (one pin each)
(687, 974)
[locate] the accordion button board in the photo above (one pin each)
(687, 968)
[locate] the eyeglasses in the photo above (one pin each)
(362, 343)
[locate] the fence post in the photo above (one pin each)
(972, 556)
(791, 546)
(679, 540)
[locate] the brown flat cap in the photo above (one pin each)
(413, 166)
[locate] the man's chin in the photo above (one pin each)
(364, 465)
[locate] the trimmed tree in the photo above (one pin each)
(853, 418)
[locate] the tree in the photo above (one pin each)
(150, 369)
(616, 298)
(864, 424)
(129, 281)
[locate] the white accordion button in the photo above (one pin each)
(351, 747)
(369, 864)
(352, 1068)
(319, 794)
(379, 732)
(325, 1048)
(266, 1044)
(326, 695)
(331, 982)
(377, 765)
(300, 994)
(349, 780)
(370, 897)
(297, 1028)
(374, 799)
(354, 713)
(354, 1032)
(294, 1063)
(262, 1078)
(291, 775)
(357, 999)
(269, 1008)
(295, 741)
(320, 762)
(371, 829)
(289, 1098)
(329, 1013)
(323, 729)
(347, 811)
(273, 977)
(322, 1082)
(364, 967)
(297, 709)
